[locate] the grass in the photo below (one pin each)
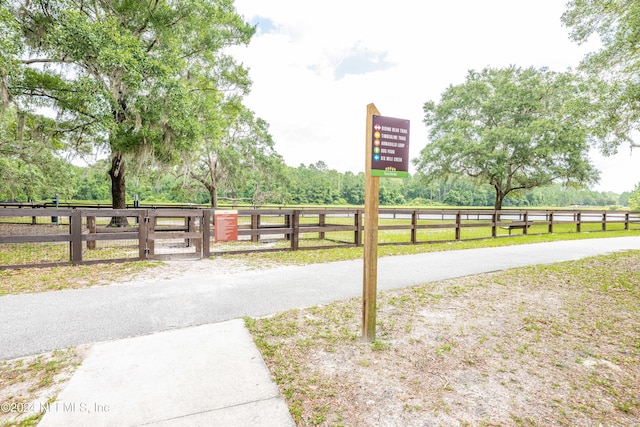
(29, 280)
(545, 345)
(304, 257)
(67, 277)
(30, 383)
(33, 253)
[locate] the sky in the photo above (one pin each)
(315, 67)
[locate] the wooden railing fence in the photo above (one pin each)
(29, 235)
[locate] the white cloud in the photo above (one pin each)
(316, 65)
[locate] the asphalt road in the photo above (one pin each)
(36, 323)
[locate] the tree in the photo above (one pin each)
(391, 192)
(512, 128)
(617, 91)
(236, 150)
(317, 184)
(352, 188)
(92, 182)
(634, 198)
(122, 75)
(30, 165)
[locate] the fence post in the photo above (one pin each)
(54, 219)
(626, 221)
(578, 222)
(321, 223)
(458, 222)
(550, 222)
(357, 221)
(142, 235)
(76, 237)
(494, 225)
(604, 221)
(255, 225)
(187, 226)
(295, 230)
(287, 224)
(92, 226)
(193, 228)
(414, 227)
(206, 233)
(526, 222)
(151, 242)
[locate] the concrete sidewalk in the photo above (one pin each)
(211, 375)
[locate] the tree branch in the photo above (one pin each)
(632, 142)
(57, 99)
(80, 126)
(44, 61)
(139, 31)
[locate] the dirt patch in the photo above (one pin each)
(538, 346)
(184, 269)
(43, 279)
(29, 384)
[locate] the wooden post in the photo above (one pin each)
(287, 224)
(414, 227)
(255, 224)
(206, 233)
(626, 221)
(550, 222)
(525, 229)
(76, 237)
(295, 230)
(151, 243)
(579, 222)
(142, 235)
(321, 223)
(458, 224)
(357, 221)
(604, 221)
(371, 203)
(494, 227)
(187, 226)
(195, 226)
(92, 226)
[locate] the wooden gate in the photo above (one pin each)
(177, 233)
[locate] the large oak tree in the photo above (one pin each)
(616, 25)
(512, 128)
(123, 75)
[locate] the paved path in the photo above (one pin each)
(210, 375)
(36, 323)
(173, 374)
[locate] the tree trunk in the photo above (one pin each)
(499, 200)
(118, 189)
(213, 196)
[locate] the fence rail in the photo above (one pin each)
(40, 236)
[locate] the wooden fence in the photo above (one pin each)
(46, 237)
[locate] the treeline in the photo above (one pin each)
(314, 184)
(317, 184)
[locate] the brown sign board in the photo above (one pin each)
(225, 226)
(390, 147)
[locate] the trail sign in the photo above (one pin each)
(387, 155)
(390, 147)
